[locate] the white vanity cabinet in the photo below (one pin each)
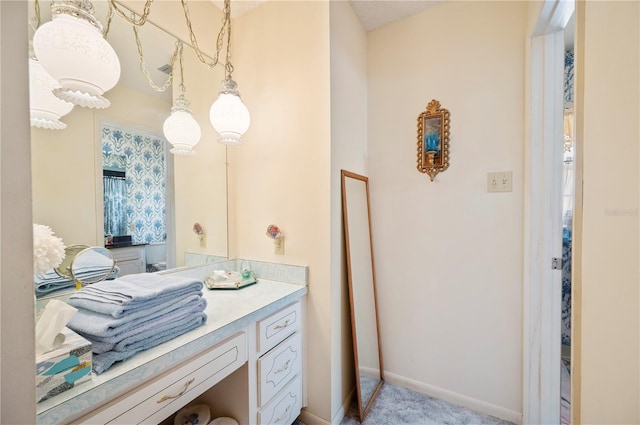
(279, 366)
(246, 362)
(166, 394)
(130, 259)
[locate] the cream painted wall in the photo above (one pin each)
(17, 350)
(610, 374)
(348, 151)
(64, 163)
(282, 173)
(449, 266)
(200, 180)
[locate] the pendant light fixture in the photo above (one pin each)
(228, 115)
(71, 48)
(181, 129)
(45, 108)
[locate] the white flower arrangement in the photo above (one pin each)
(48, 250)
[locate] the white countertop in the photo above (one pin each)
(228, 312)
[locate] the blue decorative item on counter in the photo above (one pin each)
(64, 367)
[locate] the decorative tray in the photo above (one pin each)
(228, 280)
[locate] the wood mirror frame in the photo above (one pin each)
(362, 290)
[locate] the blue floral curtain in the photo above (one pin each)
(115, 203)
(568, 79)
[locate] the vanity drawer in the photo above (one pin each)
(278, 366)
(277, 327)
(157, 400)
(285, 408)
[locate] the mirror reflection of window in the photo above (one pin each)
(143, 209)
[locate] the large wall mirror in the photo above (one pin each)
(362, 289)
(101, 148)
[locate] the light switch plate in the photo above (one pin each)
(500, 181)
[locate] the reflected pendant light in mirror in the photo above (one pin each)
(72, 49)
(228, 115)
(45, 108)
(181, 129)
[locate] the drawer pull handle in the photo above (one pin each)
(286, 323)
(283, 368)
(184, 390)
(284, 415)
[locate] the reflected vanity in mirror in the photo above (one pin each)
(158, 200)
(362, 290)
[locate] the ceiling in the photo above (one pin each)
(372, 13)
(376, 13)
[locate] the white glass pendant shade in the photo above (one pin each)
(228, 115)
(181, 129)
(46, 109)
(72, 49)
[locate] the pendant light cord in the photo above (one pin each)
(133, 21)
(143, 67)
(228, 67)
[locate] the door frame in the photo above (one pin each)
(543, 217)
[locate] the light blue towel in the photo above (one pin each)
(143, 287)
(104, 361)
(133, 293)
(51, 281)
(88, 322)
(150, 330)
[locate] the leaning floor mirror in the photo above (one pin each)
(362, 290)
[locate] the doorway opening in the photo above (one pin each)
(544, 217)
(568, 196)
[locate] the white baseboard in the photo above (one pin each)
(455, 398)
(309, 418)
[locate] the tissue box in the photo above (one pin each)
(63, 367)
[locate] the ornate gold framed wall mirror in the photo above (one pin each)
(362, 290)
(433, 139)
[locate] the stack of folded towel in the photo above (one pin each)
(135, 312)
(88, 266)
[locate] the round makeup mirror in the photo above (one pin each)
(86, 265)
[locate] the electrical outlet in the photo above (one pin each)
(500, 181)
